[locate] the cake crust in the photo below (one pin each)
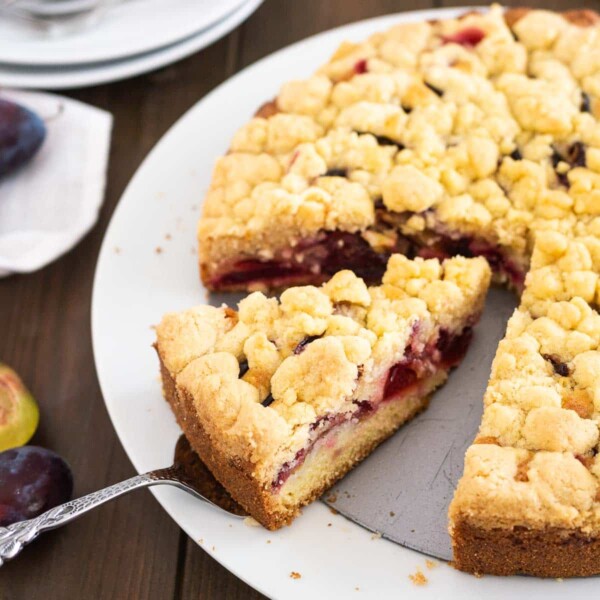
(550, 552)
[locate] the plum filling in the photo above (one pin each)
(315, 260)
(444, 352)
(311, 260)
(468, 37)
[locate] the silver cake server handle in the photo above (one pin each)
(16, 536)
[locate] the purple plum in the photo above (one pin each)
(21, 135)
(32, 481)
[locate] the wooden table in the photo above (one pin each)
(130, 548)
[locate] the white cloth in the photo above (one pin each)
(49, 204)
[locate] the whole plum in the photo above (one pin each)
(32, 481)
(21, 135)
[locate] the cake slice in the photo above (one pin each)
(529, 499)
(281, 398)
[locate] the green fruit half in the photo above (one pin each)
(19, 413)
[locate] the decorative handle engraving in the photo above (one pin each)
(14, 537)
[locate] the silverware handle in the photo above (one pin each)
(16, 536)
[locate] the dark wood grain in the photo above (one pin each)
(131, 549)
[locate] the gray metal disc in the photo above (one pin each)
(404, 488)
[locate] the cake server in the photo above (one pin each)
(402, 490)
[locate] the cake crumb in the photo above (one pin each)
(117, 250)
(559, 579)
(158, 250)
(250, 522)
(431, 564)
(268, 541)
(376, 535)
(357, 589)
(295, 575)
(332, 498)
(214, 548)
(333, 511)
(328, 524)
(392, 513)
(418, 578)
(168, 236)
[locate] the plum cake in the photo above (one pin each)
(456, 137)
(477, 136)
(282, 397)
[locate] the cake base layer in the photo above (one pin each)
(310, 481)
(550, 552)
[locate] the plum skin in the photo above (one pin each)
(22, 132)
(32, 481)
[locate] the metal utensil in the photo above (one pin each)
(402, 491)
(16, 536)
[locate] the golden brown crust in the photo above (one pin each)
(233, 475)
(551, 552)
(512, 15)
(582, 17)
(266, 110)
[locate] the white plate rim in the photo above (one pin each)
(56, 79)
(70, 50)
(253, 563)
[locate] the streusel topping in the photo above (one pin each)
(469, 123)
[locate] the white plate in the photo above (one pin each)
(135, 285)
(130, 28)
(83, 76)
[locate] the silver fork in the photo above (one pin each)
(16, 536)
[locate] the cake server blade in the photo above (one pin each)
(403, 490)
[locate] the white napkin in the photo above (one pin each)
(49, 204)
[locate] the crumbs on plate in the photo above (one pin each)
(418, 577)
(295, 575)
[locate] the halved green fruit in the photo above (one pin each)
(19, 413)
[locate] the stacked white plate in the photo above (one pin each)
(131, 37)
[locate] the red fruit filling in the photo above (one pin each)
(314, 260)
(469, 37)
(361, 66)
(420, 361)
(311, 260)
